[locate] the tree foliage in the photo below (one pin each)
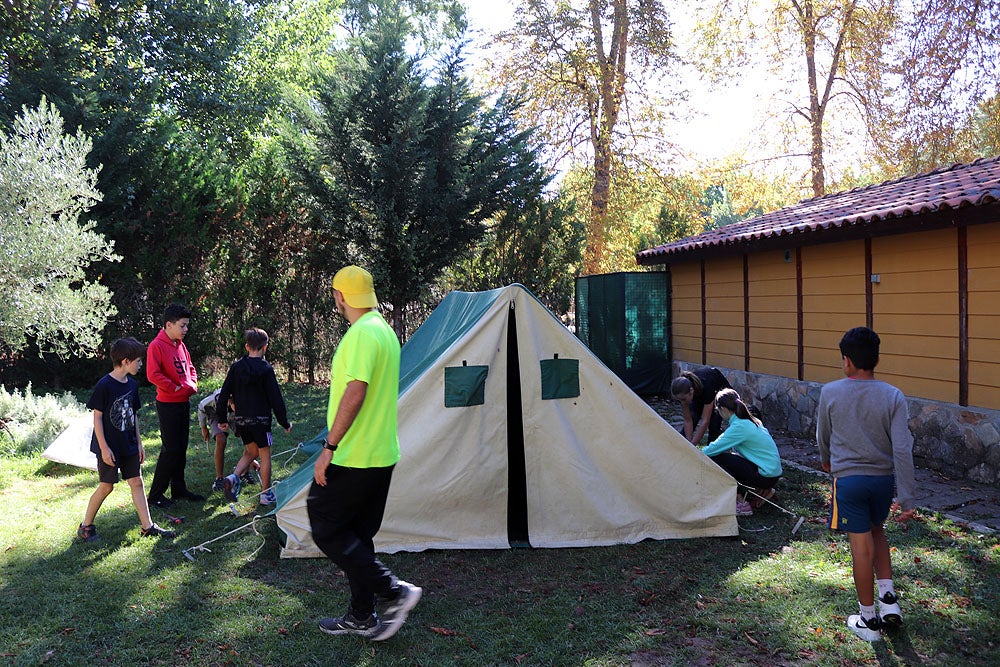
(45, 186)
(403, 168)
(581, 63)
(539, 246)
(910, 74)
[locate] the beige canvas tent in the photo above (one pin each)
(513, 433)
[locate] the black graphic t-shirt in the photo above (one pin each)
(118, 403)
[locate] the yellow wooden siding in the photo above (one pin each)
(685, 282)
(773, 315)
(833, 301)
(984, 315)
(915, 312)
(724, 312)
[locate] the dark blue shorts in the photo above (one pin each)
(129, 465)
(258, 436)
(860, 502)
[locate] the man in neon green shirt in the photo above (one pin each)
(352, 474)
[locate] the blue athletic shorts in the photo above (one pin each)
(129, 465)
(860, 502)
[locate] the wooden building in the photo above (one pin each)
(916, 259)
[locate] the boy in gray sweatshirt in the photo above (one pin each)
(865, 442)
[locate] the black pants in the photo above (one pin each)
(345, 515)
(744, 471)
(175, 431)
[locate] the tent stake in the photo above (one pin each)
(190, 551)
(800, 519)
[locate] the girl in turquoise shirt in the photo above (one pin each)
(745, 449)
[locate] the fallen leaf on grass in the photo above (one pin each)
(520, 658)
(282, 631)
(67, 631)
(443, 631)
(751, 639)
(655, 632)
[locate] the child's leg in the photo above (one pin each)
(863, 566)
(103, 491)
(249, 454)
(882, 560)
(265, 467)
(220, 454)
(139, 500)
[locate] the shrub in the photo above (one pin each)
(31, 422)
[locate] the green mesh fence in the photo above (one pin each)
(624, 318)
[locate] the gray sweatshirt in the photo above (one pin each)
(862, 429)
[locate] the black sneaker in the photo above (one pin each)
(248, 478)
(88, 533)
(162, 502)
(396, 610)
(219, 484)
(155, 531)
(888, 608)
(348, 624)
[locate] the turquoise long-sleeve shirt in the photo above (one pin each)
(750, 441)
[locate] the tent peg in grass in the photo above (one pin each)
(799, 519)
(191, 551)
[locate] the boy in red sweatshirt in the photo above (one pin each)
(169, 368)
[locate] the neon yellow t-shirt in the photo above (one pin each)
(369, 352)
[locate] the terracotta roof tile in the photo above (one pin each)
(946, 189)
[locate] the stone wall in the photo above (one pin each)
(958, 442)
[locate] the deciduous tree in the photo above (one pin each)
(581, 63)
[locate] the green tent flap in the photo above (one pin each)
(560, 378)
(465, 386)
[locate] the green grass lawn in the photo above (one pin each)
(765, 598)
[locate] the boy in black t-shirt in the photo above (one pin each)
(116, 441)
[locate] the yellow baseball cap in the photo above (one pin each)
(356, 285)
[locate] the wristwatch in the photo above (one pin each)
(327, 445)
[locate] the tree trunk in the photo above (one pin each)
(604, 115)
(597, 227)
(815, 118)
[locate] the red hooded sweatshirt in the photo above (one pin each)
(168, 365)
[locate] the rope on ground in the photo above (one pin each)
(190, 552)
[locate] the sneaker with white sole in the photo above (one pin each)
(396, 610)
(231, 488)
(267, 498)
(349, 624)
(866, 629)
(743, 508)
(888, 609)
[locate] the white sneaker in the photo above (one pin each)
(394, 615)
(888, 609)
(866, 629)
